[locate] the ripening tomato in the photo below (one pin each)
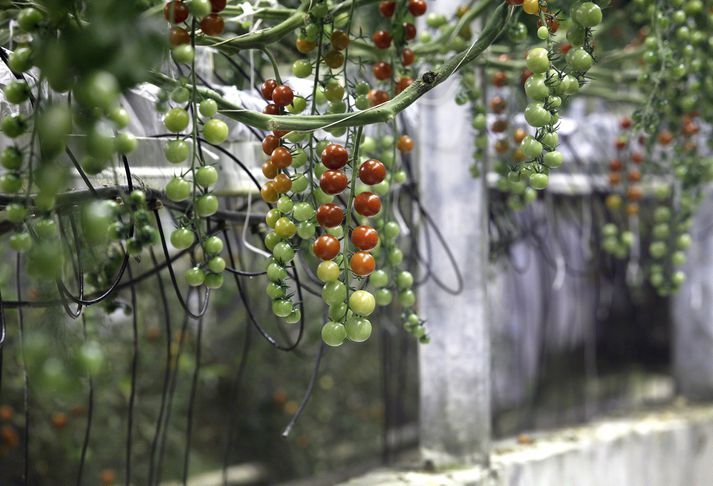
(281, 158)
(362, 263)
(212, 24)
(283, 183)
(372, 172)
(339, 40)
(335, 156)
(387, 8)
(175, 12)
(382, 39)
(334, 59)
(402, 84)
(498, 104)
(665, 137)
(326, 247)
(217, 5)
(178, 36)
(634, 193)
(614, 178)
(417, 7)
(382, 70)
(305, 46)
(330, 215)
(405, 144)
(634, 175)
(365, 237)
(377, 97)
(409, 31)
(269, 144)
(367, 203)
(407, 56)
(333, 182)
(267, 88)
(282, 95)
(271, 109)
(269, 170)
(615, 165)
(268, 193)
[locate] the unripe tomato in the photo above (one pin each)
(215, 131)
(206, 205)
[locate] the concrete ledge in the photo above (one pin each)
(672, 447)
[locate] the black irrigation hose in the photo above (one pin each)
(191, 403)
(90, 415)
(166, 373)
(308, 392)
(251, 315)
(134, 370)
(203, 307)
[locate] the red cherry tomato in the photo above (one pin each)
(387, 8)
(333, 181)
(365, 237)
(362, 263)
(382, 39)
(267, 88)
(334, 156)
(175, 12)
(212, 24)
(217, 5)
(282, 95)
(281, 158)
(326, 247)
(330, 215)
(269, 144)
(372, 172)
(409, 31)
(178, 36)
(382, 70)
(407, 56)
(417, 7)
(367, 203)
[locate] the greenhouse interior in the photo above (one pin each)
(356, 242)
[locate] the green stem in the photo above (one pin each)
(350, 202)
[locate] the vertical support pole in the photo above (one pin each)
(455, 365)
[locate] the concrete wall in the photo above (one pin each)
(673, 447)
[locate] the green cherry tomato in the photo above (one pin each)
(302, 68)
(285, 205)
(536, 87)
(208, 108)
(125, 143)
(216, 264)
(271, 217)
(215, 131)
(29, 19)
(404, 280)
(214, 280)
(589, 14)
(21, 242)
(16, 212)
(538, 60)
(531, 147)
(383, 297)
(283, 252)
(580, 59)
(303, 211)
(11, 158)
(294, 317)
(16, 92)
(539, 181)
(100, 89)
(178, 189)
(334, 293)
(362, 302)
(379, 279)
(206, 205)
(276, 272)
(537, 116)
(182, 238)
(407, 298)
(285, 228)
(200, 8)
(176, 151)
(176, 120)
(20, 60)
(328, 271)
(183, 54)
(358, 329)
(10, 183)
(306, 230)
(213, 245)
(13, 125)
(553, 159)
(206, 176)
(334, 334)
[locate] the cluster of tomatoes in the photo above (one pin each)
(207, 12)
(399, 33)
(624, 173)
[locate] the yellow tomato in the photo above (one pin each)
(531, 6)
